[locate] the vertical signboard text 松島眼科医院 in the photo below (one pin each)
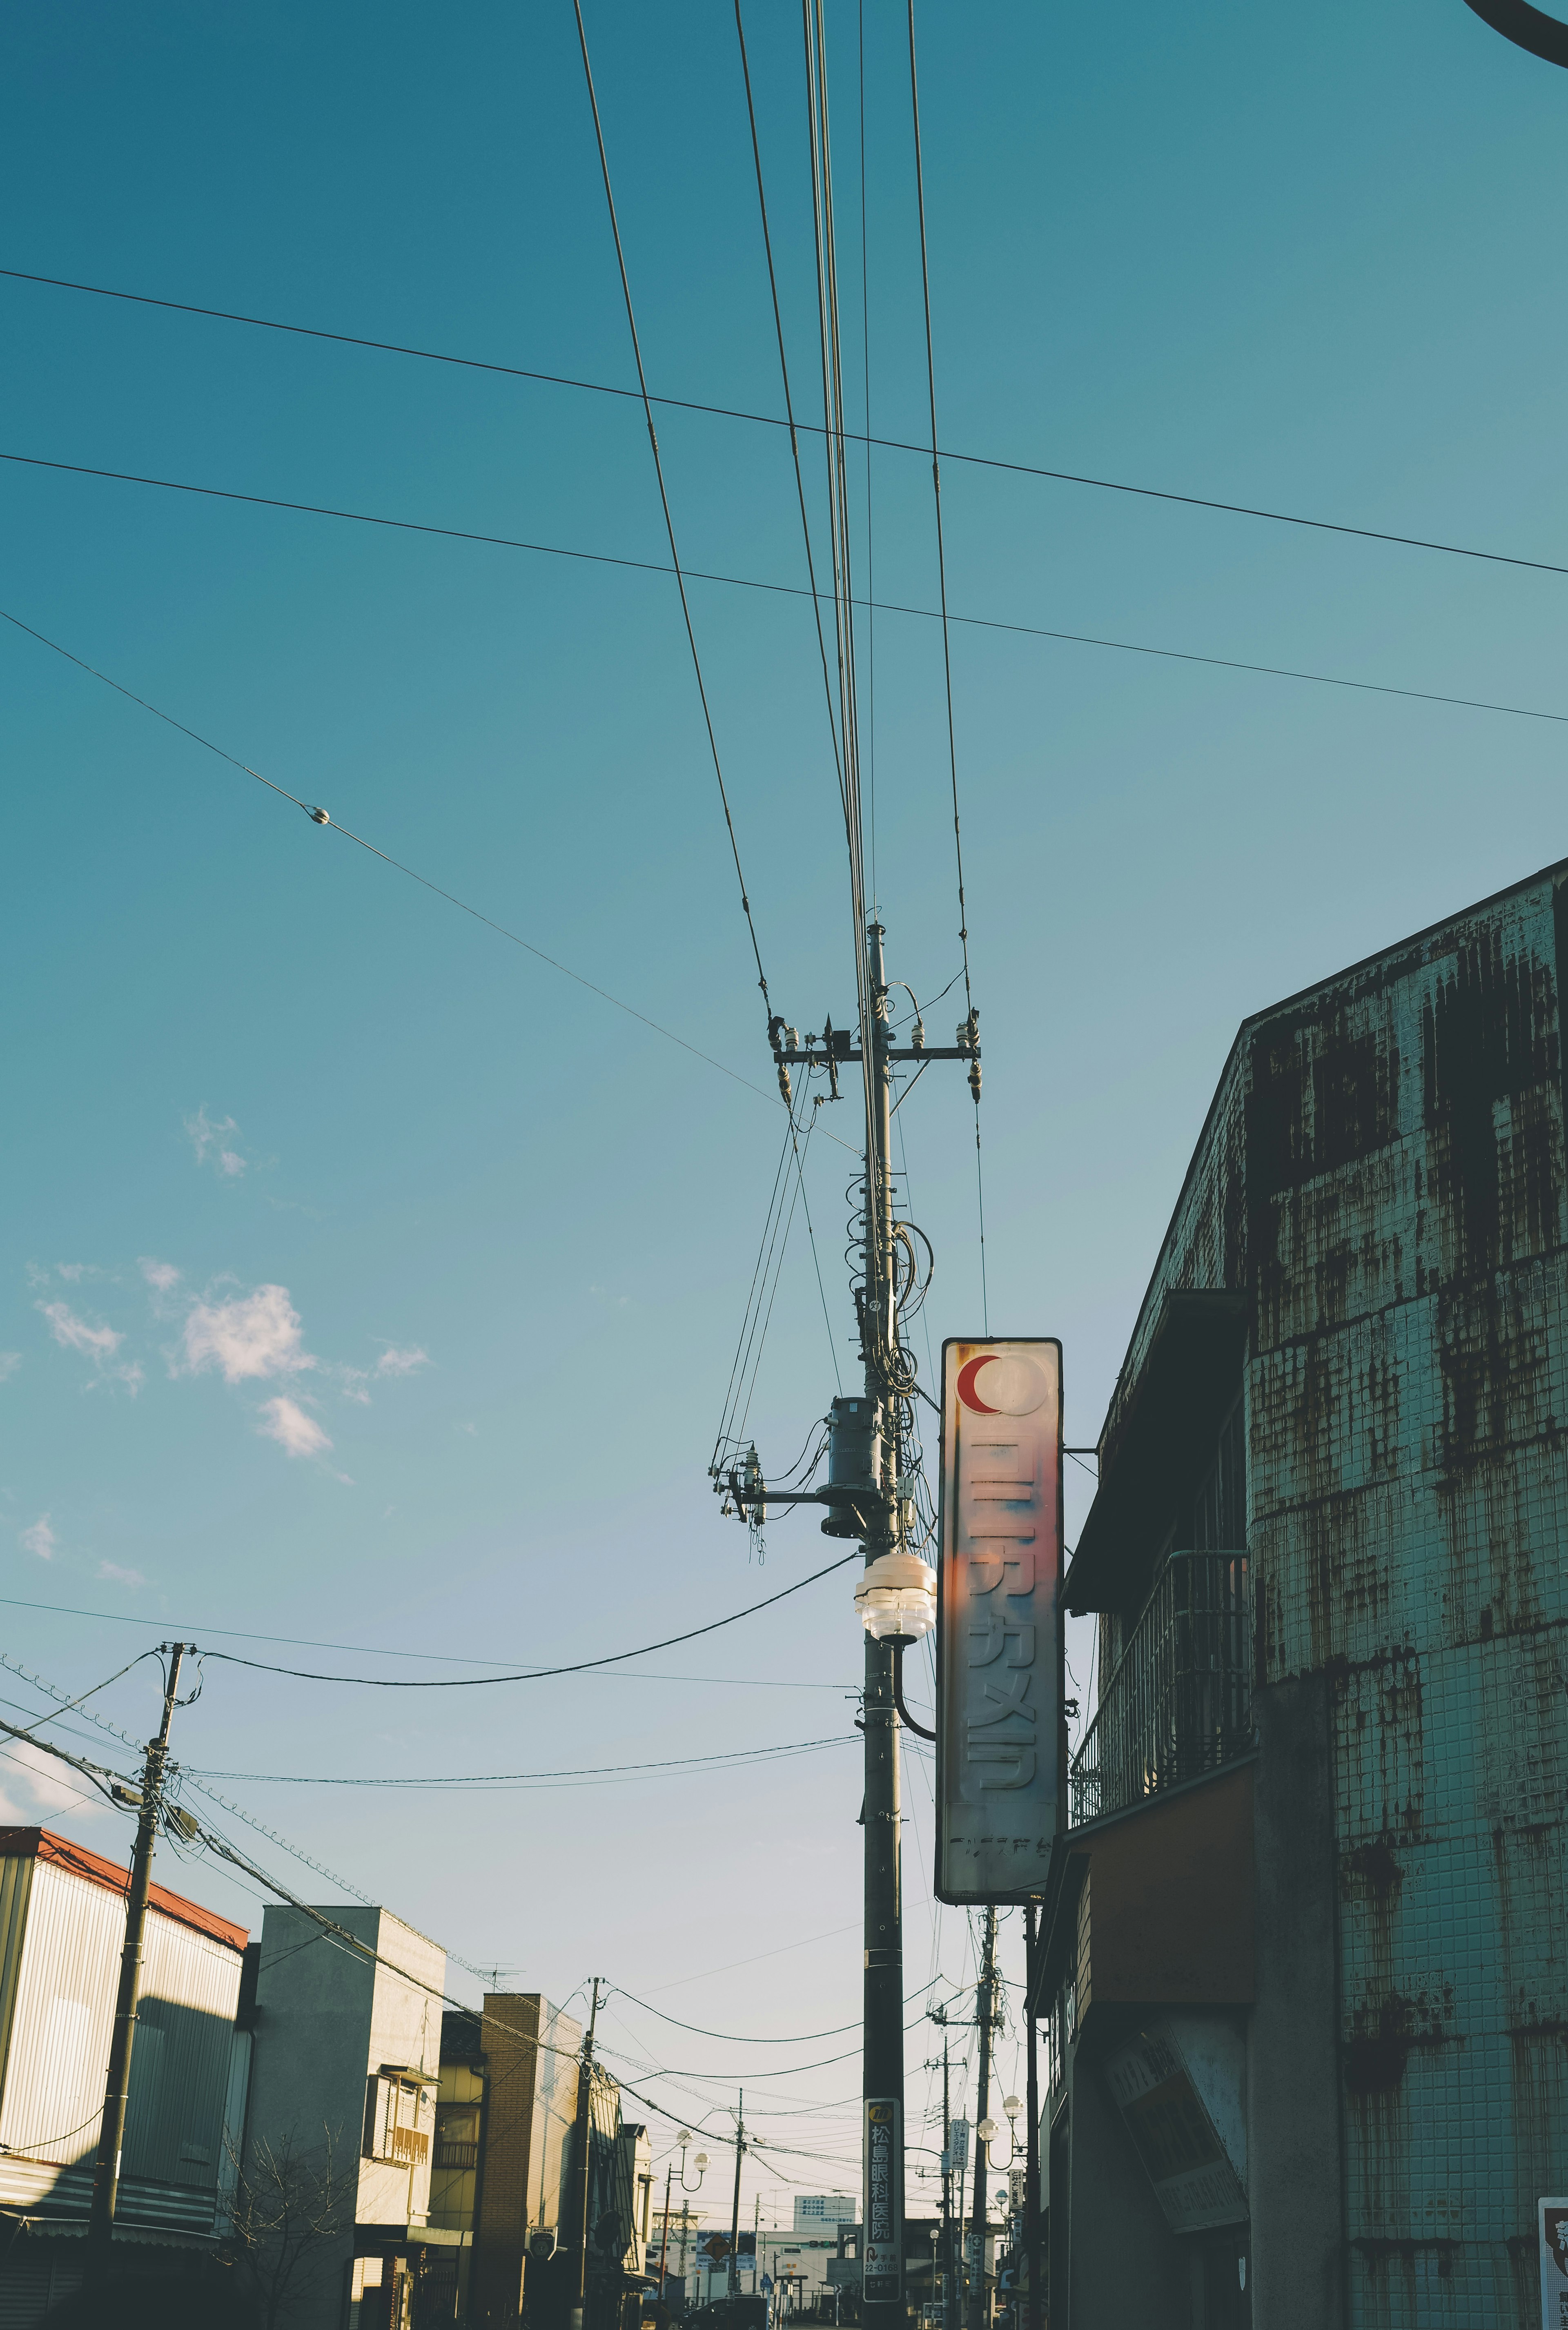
(998, 1648)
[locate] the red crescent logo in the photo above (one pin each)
(967, 1392)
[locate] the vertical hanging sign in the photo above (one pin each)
(999, 1621)
(882, 2243)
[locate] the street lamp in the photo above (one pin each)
(896, 1598)
(897, 1602)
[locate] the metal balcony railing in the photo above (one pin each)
(1179, 1701)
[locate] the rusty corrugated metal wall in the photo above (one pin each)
(1384, 1169)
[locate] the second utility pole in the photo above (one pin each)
(585, 2119)
(985, 2015)
(111, 2131)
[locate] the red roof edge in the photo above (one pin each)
(43, 1844)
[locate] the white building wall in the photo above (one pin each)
(62, 2023)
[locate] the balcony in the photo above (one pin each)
(1178, 1702)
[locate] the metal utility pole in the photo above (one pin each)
(733, 2283)
(1031, 2106)
(117, 2089)
(585, 2124)
(985, 2016)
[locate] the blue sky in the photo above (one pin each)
(368, 1281)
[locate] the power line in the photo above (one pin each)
(494, 1779)
(772, 420)
(379, 1651)
(782, 589)
(664, 505)
(532, 1674)
(947, 649)
(320, 817)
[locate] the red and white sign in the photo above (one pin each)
(998, 1648)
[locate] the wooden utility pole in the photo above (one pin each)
(116, 2089)
(1031, 2104)
(585, 2126)
(984, 2016)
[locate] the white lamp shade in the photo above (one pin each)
(986, 2130)
(685, 2137)
(897, 1595)
(702, 2160)
(1012, 2106)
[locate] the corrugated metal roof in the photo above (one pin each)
(45, 1845)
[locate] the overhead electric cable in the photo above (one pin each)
(772, 420)
(788, 401)
(321, 818)
(947, 644)
(380, 1651)
(564, 1771)
(780, 589)
(664, 504)
(530, 1674)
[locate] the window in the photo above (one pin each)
(458, 2135)
(399, 2115)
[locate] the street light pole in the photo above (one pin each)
(585, 2118)
(732, 2283)
(985, 2016)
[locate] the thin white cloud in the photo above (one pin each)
(39, 1538)
(35, 1783)
(296, 1434)
(73, 1273)
(161, 1276)
(9, 1363)
(98, 1344)
(112, 1572)
(255, 1334)
(395, 1360)
(209, 1138)
(351, 1383)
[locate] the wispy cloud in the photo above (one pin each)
(73, 1273)
(397, 1360)
(115, 1576)
(98, 1344)
(208, 1137)
(39, 1538)
(161, 1276)
(9, 1363)
(255, 1334)
(35, 1783)
(296, 1434)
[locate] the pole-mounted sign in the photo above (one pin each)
(882, 2252)
(998, 1619)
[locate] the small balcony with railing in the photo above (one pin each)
(1178, 1704)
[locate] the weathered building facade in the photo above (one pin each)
(1305, 1952)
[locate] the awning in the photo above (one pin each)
(1161, 1437)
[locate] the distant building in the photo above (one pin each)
(505, 2187)
(345, 2080)
(1302, 1951)
(61, 1934)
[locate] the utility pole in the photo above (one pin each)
(585, 2124)
(868, 1495)
(733, 2282)
(985, 2016)
(665, 2237)
(1031, 2106)
(949, 2274)
(116, 2089)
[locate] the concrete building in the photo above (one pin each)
(61, 1934)
(1303, 1948)
(506, 2189)
(343, 2093)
